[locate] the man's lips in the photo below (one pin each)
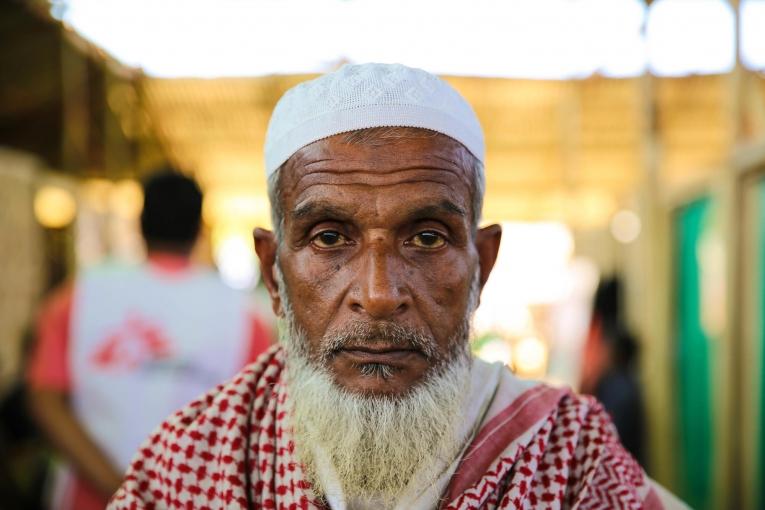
(378, 354)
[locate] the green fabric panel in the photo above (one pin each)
(693, 361)
(761, 241)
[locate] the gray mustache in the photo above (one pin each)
(362, 333)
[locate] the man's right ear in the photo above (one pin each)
(265, 247)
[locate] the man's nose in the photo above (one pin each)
(381, 292)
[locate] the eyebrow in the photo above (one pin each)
(445, 206)
(312, 209)
(326, 210)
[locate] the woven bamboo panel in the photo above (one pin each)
(547, 141)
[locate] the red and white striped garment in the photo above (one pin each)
(542, 448)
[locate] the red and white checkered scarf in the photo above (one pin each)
(232, 449)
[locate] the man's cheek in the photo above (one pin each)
(319, 271)
(315, 306)
(446, 306)
(447, 289)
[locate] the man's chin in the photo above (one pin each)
(392, 386)
(378, 377)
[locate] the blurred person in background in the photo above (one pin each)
(373, 399)
(619, 391)
(125, 345)
(608, 370)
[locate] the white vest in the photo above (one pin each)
(144, 343)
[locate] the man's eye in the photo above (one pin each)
(329, 239)
(428, 239)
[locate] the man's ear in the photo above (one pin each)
(265, 247)
(487, 244)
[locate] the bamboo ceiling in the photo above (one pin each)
(558, 150)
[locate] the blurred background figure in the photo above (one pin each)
(127, 344)
(609, 370)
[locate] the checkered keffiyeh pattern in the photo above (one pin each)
(232, 449)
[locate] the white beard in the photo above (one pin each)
(376, 444)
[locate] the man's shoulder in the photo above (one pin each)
(580, 417)
(108, 268)
(208, 438)
(557, 400)
(521, 408)
(233, 399)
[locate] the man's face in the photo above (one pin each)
(377, 238)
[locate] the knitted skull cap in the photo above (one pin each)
(366, 96)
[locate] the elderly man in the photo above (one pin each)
(375, 267)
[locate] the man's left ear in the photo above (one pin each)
(487, 244)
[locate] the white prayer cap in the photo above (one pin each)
(366, 96)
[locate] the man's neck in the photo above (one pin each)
(169, 260)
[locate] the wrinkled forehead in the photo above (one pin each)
(412, 167)
(382, 149)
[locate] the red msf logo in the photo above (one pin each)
(133, 344)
